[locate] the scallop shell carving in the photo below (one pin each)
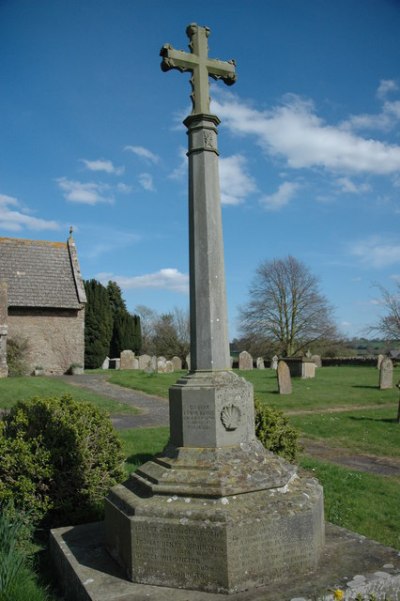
(230, 416)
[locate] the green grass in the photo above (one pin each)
(23, 388)
(154, 383)
(361, 502)
(141, 444)
(370, 431)
(332, 387)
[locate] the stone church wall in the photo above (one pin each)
(55, 337)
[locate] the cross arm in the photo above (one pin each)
(176, 59)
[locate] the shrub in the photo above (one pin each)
(17, 356)
(59, 459)
(275, 432)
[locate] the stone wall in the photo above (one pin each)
(55, 337)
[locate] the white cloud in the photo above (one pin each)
(347, 185)
(386, 86)
(282, 197)
(166, 279)
(385, 120)
(124, 188)
(146, 181)
(144, 153)
(181, 171)
(236, 183)
(294, 132)
(103, 165)
(16, 220)
(89, 193)
(376, 252)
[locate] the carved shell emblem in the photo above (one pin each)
(230, 417)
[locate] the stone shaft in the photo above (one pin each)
(208, 314)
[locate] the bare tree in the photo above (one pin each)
(287, 308)
(388, 325)
(166, 334)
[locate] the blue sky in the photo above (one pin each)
(92, 136)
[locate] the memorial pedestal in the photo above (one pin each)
(220, 518)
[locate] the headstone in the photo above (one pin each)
(317, 360)
(274, 362)
(308, 354)
(144, 361)
(308, 369)
(169, 367)
(180, 521)
(127, 360)
(379, 361)
(245, 360)
(386, 374)
(106, 363)
(177, 363)
(188, 361)
(284, 379)
(260, 363)
(161, 364)
(3, 329)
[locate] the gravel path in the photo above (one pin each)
(155, 412)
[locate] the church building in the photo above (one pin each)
(42, 303)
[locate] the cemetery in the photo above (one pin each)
(274, 481)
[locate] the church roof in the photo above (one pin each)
(41, 274)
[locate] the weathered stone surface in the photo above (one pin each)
(127, 360)
(188, 363)
(245, 360)
(216, 545)
(177, 363)
(308, 369)
(349, 561)
(284, 378)
(379, 360)
(161, 364)
(144, 361)
(106, 363)
(260, 363)
(386, 374)
(274, 362)
(317, 360)
(3, 329)
(198, 403)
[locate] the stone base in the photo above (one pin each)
(223, 544)
(351, 562)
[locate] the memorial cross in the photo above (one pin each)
(200, 65)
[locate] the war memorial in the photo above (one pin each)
(217, 515)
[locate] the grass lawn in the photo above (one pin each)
(23, 388)
(370, 431)
(332, 387)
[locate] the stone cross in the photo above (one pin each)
(200, 65)
(209, 347)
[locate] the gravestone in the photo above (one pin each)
(284, 379)
(260, 363)
(169, 367)
(386, 374)
(245, 360)
(308, 369)
(3, 329)
(274, 362)
(379, 361)
(179, 520)
(177, 363)
(106, 363)
(127, 360)
(144, 361)
(114, 363)
(317, 360)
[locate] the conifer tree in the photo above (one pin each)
(98, 324)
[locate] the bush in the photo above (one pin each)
(17, 356)
(275, 432)
(59, 459)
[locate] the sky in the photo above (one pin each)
(91, 136)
